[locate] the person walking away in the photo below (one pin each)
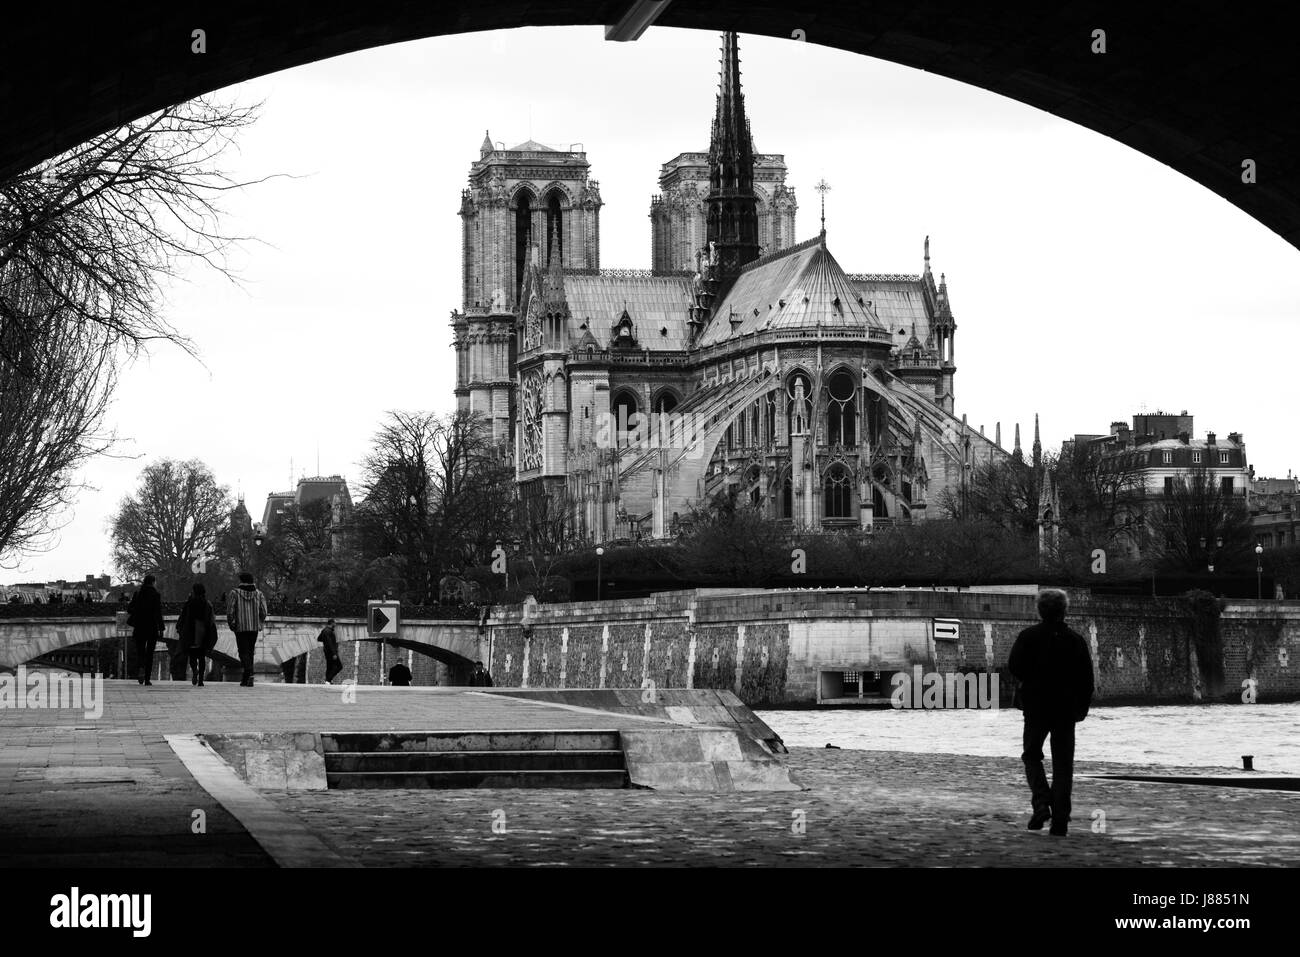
(197, 630)
(144, 615)
(330, 642)
(1052, 664)
(399, 675)
(245, 614)
(480, 678)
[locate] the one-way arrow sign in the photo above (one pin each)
(946, 629)
(381, 618)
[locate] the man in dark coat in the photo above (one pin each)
(1052, 664)
(145, 617)
(399, 675)
(197, 629)
(330, 643)
(480, 678)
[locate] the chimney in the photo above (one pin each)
(1234, 438)
(1184, 438)
(1209, 438)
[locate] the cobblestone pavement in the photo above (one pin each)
(861, 808)
(77, 791)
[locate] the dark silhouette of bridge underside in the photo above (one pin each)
(436, 652)
(1198, 86)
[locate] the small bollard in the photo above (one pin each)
(1248, 762)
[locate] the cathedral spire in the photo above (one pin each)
(1016, 452)
(487, 146)
(1038, 446)
(927, 255)
(732, 204)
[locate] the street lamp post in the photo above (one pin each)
(1218, 544)
(599, 554)
(1259, 571)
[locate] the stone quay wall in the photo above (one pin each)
(777, 647)
(771, 647)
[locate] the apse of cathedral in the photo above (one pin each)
(743, 362)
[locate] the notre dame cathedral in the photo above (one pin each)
(742, 361)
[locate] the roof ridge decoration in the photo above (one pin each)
(881, 277)
(616, 273)
(781, 253)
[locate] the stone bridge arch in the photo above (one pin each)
(1202, 113)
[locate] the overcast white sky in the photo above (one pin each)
(1088, 281)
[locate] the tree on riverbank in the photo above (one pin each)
(86, 240)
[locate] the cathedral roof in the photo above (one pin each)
(801, 287)
(658, 306)
(899, 302)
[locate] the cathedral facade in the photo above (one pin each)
(743, 361)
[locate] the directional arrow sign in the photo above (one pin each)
(382, 618)
(946, 629)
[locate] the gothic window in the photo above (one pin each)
(838, 493)
(532, 433)
(841, 410)
(665, 402)
(754, 438)
(787, 497)
(797, 410)
(769, 419)
(523, 237)
(624, 407)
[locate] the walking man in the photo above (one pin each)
(245, 613)
(479, 678)
(145, 617)
(1052, 664)
(330, 641)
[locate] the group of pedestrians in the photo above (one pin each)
(196, 628)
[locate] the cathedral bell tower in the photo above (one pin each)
(732, 225)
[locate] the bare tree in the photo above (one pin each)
(86, 239)
(56, 377)
(438, 495)
(170, 526)
(1197, 523)
(96, 229)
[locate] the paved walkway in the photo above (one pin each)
(869, 808)
(82, 792)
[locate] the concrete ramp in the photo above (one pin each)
(685, 706)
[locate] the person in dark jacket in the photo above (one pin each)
(1052, 664)
(145, 617)
(399, 675)
(330, 643)
(245, 614)
(197, 629)
(480, 678)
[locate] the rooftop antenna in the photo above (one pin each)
(823, 187)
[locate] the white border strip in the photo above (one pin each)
(287, 840)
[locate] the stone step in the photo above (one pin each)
(396, 762)
(583, 779)
(439, 741)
